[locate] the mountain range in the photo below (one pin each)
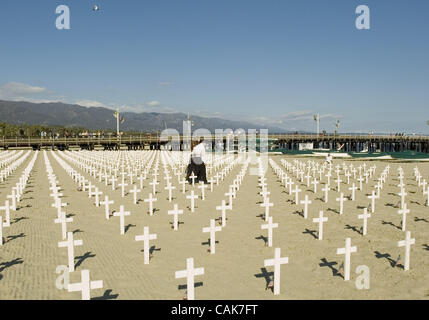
(100, 118)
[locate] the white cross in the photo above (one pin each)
(203, 186)
(1, 230)
(150, 200)
(267, 206)
(121, 214)
(338, 180)
(97, 194)
(341, 199)
(189, 274)
(212, 230)
(360, 179)
(427, 194)
(6, 208)
(146, 237)
(85, 286)
(365, 217)
(402, 194)
(296, 191)
(106, 203)
(305, 202)
(404, 211)
(270, 226)
(326, 189)
(63, 220)
(153, 184)
(320, 220)
(223, 207)
(276, 262)
(192, 196)
(141, 179)
(353, 189)
(372, 197)
(347, 251)
(13, 197)
(123, 185)
(315, 183)
(175, 212)
(193, 177)
(112, 181)
(70, 243)
(211, 184)
(229, 194)
(407, 244)
(134, 191)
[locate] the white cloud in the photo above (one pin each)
(153, 103)
(90, 103)
(13, 90)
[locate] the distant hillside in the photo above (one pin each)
(72, 115)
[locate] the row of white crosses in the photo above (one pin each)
(146, 237)
(10, 163)
(121, 213)
(151, 197)
(277, 261)
(86, 285)
(190, 272)
(422, 184)
(17, 192)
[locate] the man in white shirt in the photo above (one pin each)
(196, 165)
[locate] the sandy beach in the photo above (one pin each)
(30, 257)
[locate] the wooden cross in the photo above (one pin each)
(212, 230)
(372, 197)
(6, 209)
(347, 251)
(189, 273)
(121, 214)
(85, 286)
(123, 185)
(365, 217)
(150, 200)
(134, 191)
(193, 177)
(70, 243)
(270, 226)
(305, 202)
(192, 196)
(63, 220)
(267, 206)
(202, 186)
(175, 212)
(297, 190)
(320, 220)
(326, 189)
(341, 199)
(223, 208)
(106, 204)
(407, 244)
(276, 262)
(146, 237)
(353, 189)
(404, 211)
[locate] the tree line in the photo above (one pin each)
(8, 131)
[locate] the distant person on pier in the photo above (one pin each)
(196, 164)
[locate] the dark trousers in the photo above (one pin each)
(198, 168)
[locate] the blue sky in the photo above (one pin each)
(271, 62)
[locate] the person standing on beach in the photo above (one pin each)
(196, 164)
(329, 158)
